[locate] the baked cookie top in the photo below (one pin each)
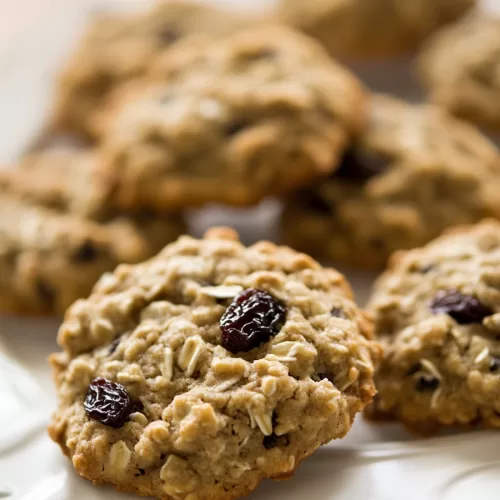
(119, 47)
(437, 312)
(361, 28)
(48, 260)
(204, 370)
(74, 182)
(460, 68)
(234, 121)
(413, 173)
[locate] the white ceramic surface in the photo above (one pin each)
(374, 462)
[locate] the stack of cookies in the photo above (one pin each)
(195, 370)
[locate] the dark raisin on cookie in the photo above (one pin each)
(494, 364)
(235, 127)
(168, 34)
(45, 292)
(338, 312)
(414, 369)
(273, 440)
(251, 319)
(109, 403)
(426, 383)
(464, 309)
(86, 252)
(360, 165)
(315, 203)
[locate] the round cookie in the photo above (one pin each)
(191, 414)
(118, 47)
(59, 233)
(364, 28)
(255, 115)
(413, 173)
(460, 68)
(437, 312)
(73, 182)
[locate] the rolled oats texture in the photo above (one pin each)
(213, 424)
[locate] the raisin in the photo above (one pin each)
(140, 472)
(337, 312)
(45, 292)
(86, 252)
(426, 383)
(168, 35)
(252, 318)
(235, 128)
(315, 203)
(273, 440)
(464, 309)
(494, 364)
(414, 369)
(109, 403)
(360, 165)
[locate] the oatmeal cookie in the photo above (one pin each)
(72, 182)
(460, 66)
(437, 312)
(414, 172)
(48, 260)
(252, 116)
(118, 47)
(363, 28)
(208, 368)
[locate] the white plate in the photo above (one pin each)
(374, 462)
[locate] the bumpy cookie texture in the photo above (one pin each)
(59, 233)
(48, 260)
(233, 121)
(361, 28)
(117, 48)
(414, 172)
(460, 66)
(201, 422)
(73, 182)
(437, 312)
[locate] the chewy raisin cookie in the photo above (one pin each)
(70, 181)
(363, 28)
(414, 172)
(460, 66)
(235, 121)
(437, 312)
(59, 234)
(208, 368)
(48, 260)
(118, 47)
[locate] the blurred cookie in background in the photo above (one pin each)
(460, 66)
(436, 311)
(414, 172)
(254, 115)
(59, 233)
(118, 47)
(370, 28)
(49, 259)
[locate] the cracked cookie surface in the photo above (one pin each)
(234, 121)
(437, 313)
(363, 28)
(185, 417)
(414, 172)
(118, 48)
(460, 66)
